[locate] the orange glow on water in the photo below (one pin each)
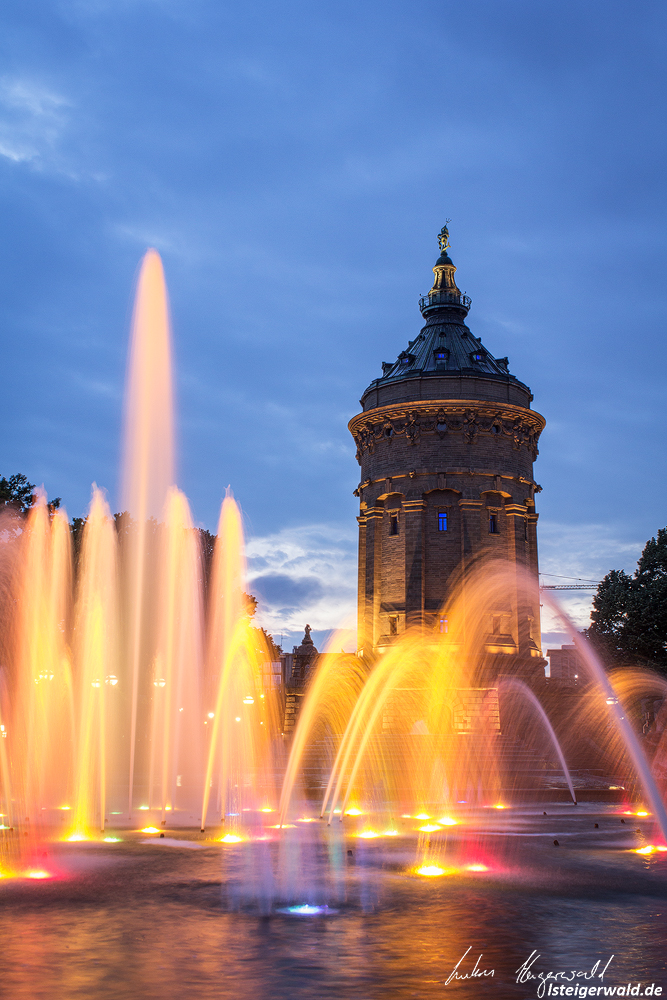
(448, 821)
(433, 871)
(150, 829)
(231, 838)
(430, 828)
(650, 849)
(368, 834)
(38, 874)
(477, 868)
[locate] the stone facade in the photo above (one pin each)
(446, 442)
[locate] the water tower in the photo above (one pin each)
(446, 442)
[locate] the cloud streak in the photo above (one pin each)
(33, 119)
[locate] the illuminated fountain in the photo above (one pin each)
(401, 756)
(133, 692)
(121, 697)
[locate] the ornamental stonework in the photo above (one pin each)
(467, 417)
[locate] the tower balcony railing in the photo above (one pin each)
(440, 298)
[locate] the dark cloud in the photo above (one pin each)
(286, 593)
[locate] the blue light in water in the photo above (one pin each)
(307, 910)
(232, 814)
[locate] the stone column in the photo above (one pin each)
(372, 576)
(470, 544)
(413, 510)
(361, 584)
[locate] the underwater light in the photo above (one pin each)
(447, 821)
(39, 874)
(390, 833)
(353, 812)
(77, 836)
(307, 910)
(150, 829)
(307, 819)
(500, 806)
(432, 871)
(143, 808)
(430, 828)
(112, 840)
(230, 838)
(477, 868)
(422, 816)
(368, 834)
(650, 849)
(266, 809)
(3, 827)
(65, 808)
(642, 813)
(282, 826)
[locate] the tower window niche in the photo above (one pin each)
(393, 524)
(442, 520)
(493, 524)
(393, 625)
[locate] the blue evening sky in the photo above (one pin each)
(293, 163)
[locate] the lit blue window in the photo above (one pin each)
(442, 520)
(493, 524)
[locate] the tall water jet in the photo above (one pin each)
(243, 719)
(148, 462)
(96, 666)
(175, 760)
(41, 719)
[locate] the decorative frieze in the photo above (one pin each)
(523, 427)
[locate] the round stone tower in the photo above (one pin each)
(446, 442)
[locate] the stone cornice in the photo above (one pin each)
(443, 479)
(432, 416)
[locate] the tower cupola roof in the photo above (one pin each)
(445, 348)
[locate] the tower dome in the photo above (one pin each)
(446, 441)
